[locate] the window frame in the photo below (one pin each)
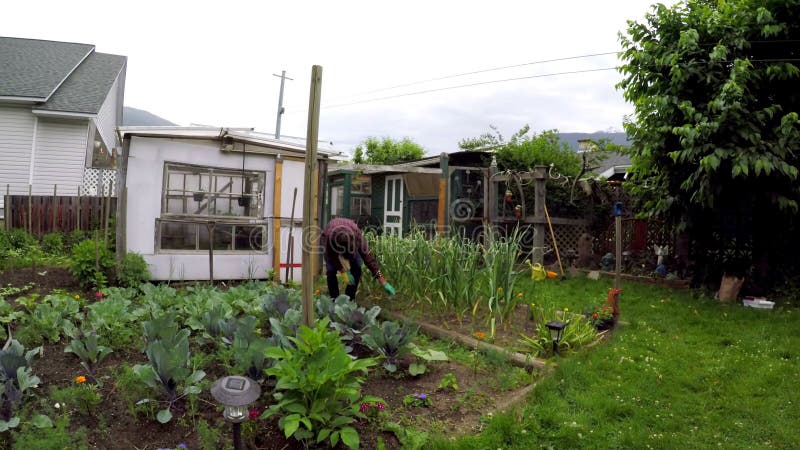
(197, 250)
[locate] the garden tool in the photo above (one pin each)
(555, 244)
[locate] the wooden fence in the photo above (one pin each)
(42, 214)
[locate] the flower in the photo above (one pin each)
(594, 316)
(422, 396)
(363, 408)
(519, 294)
(566, 309)
(499, 289)
(99, 295)
(252, 414)
(77, 297)
(317, 292)
(380, 406)
(480, 335)
(80, 379)
(182, 445)
(57, 405)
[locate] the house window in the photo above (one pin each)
(101, 157)
(337, 201)
(198, 191)
(361, 185)
(360, 206)
(196, 236)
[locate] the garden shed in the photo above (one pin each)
(205, 203)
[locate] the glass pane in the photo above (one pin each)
(337, 201)
(250, 238)
(223, 237)
(178, 236)
(389, 195)
(398, 191)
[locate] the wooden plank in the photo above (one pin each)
(276, 222)
(308, 194)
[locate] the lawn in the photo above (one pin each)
(680, 371)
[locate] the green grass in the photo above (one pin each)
(680, 371)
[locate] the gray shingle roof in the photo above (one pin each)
(33, 68)
(87, 87)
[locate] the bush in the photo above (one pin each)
(20, 239)
(133, 271)
(53, 243)
(75, 238)
(84, 269)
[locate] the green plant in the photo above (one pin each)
(600, 317)
(391, 341)
(417, 400)
(50, 319)
(427, 355)
(499, 277)
(132, 271)
(59, 437)
(168, 353)
(578, 332)
(317, 391)
(209, 437)
(131, 389)
(113, 318)
(86, 347)
(92, 264)
(249, 350)
(448, 381)
(17, 380)
(82, 397)
(352, 320)
(53, 243)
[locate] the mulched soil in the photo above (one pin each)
(113, 427)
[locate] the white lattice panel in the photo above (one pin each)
(97, 182)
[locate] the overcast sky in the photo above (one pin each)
(213, 63)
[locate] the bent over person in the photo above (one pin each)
(344, 248)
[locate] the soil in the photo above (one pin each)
(113, 427)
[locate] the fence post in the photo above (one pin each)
(7, 214)
(53, 227)
(30, 210)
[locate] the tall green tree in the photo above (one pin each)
(387, 151)
(716, 132)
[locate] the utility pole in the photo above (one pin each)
(283, 78)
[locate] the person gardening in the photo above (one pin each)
(344, 249)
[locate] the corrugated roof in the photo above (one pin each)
(34, 68)
(87, 87)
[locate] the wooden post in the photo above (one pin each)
(121, 213)
(618, 239)
(30, 210)
(276, 219)
(78, 218)
(211, 227)
(54, 228)
(290, 243)
(107, 213)
(539, 219)
(7, 215)
(309, 183)
(442, 213)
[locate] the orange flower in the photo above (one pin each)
(480, 335)
(77, 297)
(317, 292)
(519, 294)
(499, 289)
(80, 379)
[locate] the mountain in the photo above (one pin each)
(572, 138)
(139, 117)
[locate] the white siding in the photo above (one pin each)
(60, 156)
(106, 121)
(293, 177)
(144, 183)
(16, 138)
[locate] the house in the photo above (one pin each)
(60, 103)
(191, 196)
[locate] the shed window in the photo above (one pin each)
(195, 236)
(208, 191)
(360, 206)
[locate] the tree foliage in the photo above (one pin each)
(387, 151)
(716, 130)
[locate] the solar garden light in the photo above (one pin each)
(235, 393)
(556, 328)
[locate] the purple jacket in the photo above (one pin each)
(341, 226)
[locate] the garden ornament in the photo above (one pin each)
(661, 252)
(607, 262)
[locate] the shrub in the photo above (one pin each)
(318, 388)
(20, 239)
(57, 437)
(75, 238)
(53, 243)
(84, 269)
(133, 271)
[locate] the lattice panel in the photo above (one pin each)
(567, 237)
(99, 182)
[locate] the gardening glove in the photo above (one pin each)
(389, 288)
(347, 278)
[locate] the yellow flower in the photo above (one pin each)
(80, 379)
(519, 294)
(499, 289)
(566, 309)
(77, 297)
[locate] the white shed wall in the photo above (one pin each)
(293, 177)
(144, 183)
(106, 121)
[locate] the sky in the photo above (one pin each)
(212, 63)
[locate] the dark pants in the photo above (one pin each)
(333, 281)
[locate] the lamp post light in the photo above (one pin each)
(556, 328)
(235, 393)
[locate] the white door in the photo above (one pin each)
(393, 205)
